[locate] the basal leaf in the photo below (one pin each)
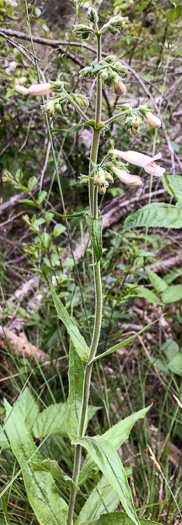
(107, 459)
(119, 518)
(159, 284)
(95, 234)
(172, 293)
(76, 337)
(40, 486)
(76, 376)
(102, 497)
(28, 408)
(157, 214)
(52, 420)
(123, 343)
(175, 364)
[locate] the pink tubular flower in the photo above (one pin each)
(40, 89)
(131, 180)
(144, 161)
(153, 120)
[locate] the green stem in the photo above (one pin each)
(115, 117)
(93, 200)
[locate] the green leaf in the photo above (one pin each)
(151, 297)
(175, 364)
(32, 183)
(30, 203)
(40, 486)
(28, 408)
(58, 230)
(172, 293)
(76, 376)
(102, 497)
(173, 184)
(116, 435)
(72, 216)
(50, 465)
(174, 14)
(107, 459)
(46, 239)
(157, 214)
(170, 348)
(123, 343)
(95, 234)
(159, 284)
(41, 196)
(76, 127)
(52, 420)
(120, 518)
(76, 337)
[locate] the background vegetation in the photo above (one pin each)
(137, 265)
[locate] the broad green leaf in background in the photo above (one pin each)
(119, 518)
(76, 376)
(123, 343)
(116, 435)
(95, 234)
(157, 214)
(173, 184)
(175, 364)
(76, 337)
(172, 293)
(174, 14)
(41, 489)
(52, 420)
(32, 183)
(147, 294)
(159, 284)
(28, 408)
(107, 459)
(102, 498)
(170, 348)
(51, 466)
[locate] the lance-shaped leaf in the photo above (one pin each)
(173, 184)
(116, 435)
(95, 234)
(103, 497)
(76, 376)
(51, 466)
(107, 459)
(157, 214)
(119, 518)
(75, 335)
(123, 343)
(40, 486)
(172, 293)
(78, 214)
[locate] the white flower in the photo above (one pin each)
(40, 89)
(153, 120)
(144, 161)
(131, 180)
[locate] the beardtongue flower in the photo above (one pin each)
(40, 89)
(124, 176)
(153, 120)
(144, 161)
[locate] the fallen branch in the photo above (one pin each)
(20, 347)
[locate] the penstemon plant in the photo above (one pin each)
(40, 474)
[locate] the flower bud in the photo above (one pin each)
(153, 120)
(119, 88)
(134, 131)
(135, 122)
(49, 107)
(124, 176)
(21, 89)
(100, 177)
(102, 190)
(109, 176)
(40, 89)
